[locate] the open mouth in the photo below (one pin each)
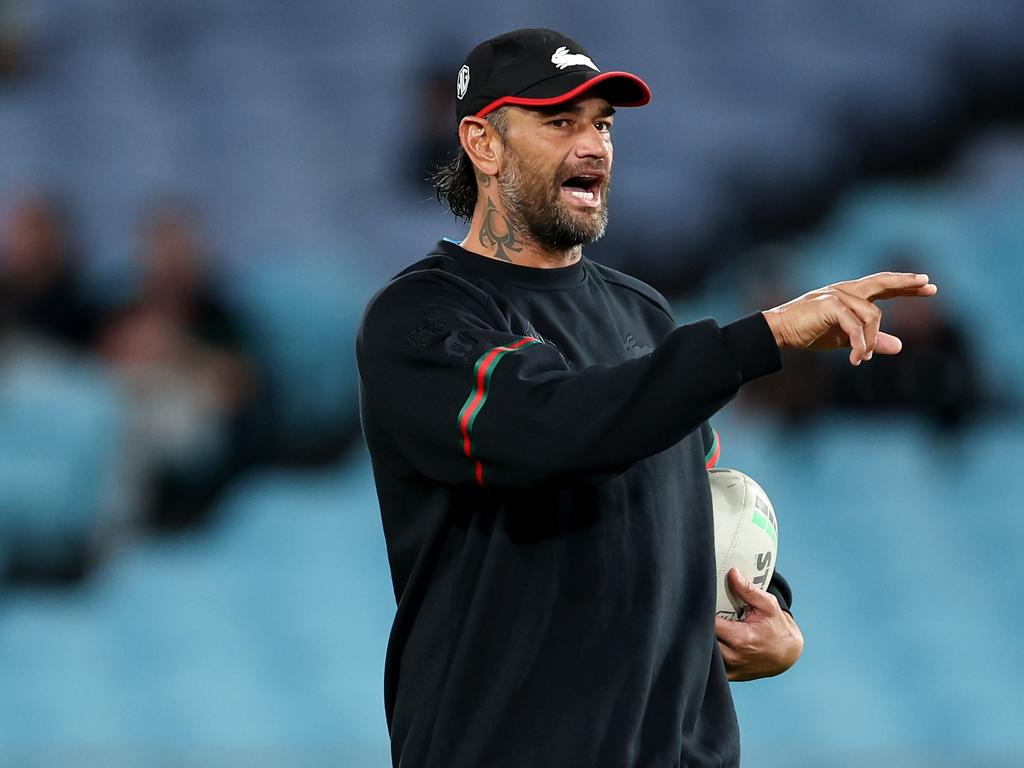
(585, 188)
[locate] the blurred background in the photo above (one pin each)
(198, 198)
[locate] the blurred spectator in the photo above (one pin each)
(182, 356)
(14, 41)
(40, 290)
(803, 387)
(935, 375)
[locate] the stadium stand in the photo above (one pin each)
(260, 635)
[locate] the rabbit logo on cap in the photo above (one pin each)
(561, 58)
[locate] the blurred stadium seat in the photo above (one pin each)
(241, 637)
(61, 438)
(302, 313)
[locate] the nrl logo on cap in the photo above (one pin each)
(562, 59)
(462, 84)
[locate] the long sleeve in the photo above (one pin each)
(466, 400)
(779, 587)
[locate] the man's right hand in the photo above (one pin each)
(844, 315)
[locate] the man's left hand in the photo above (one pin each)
(765, 643)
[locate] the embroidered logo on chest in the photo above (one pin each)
(634, 348)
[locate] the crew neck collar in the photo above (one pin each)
(514, 274)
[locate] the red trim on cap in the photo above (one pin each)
(569, 95)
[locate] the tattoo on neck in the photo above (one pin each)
(496, 232)
(484, 179)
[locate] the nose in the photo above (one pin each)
(592, 143)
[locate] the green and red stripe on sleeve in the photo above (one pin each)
(482, 372)
(714, 452)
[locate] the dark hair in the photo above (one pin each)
(455, 180)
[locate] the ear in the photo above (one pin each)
(482, 143)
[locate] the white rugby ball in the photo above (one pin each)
(746, 536)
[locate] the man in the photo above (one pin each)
(538, 430)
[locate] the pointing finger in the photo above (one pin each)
(924, 291)
(876, 286)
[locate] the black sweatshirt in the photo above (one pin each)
(539, 442)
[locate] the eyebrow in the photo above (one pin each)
(575, 110)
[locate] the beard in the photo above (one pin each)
(537, 211)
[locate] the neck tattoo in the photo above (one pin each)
(496, 232)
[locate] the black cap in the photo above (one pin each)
(537, 67)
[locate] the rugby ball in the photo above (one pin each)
(746, 536)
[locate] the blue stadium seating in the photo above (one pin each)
(240, 638)
(61, 439)
(286, 125)
(302, 312)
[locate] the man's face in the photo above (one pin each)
(557, 172)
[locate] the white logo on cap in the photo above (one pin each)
(562, 59)
(462, 84)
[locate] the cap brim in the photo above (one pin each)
(622, 89)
